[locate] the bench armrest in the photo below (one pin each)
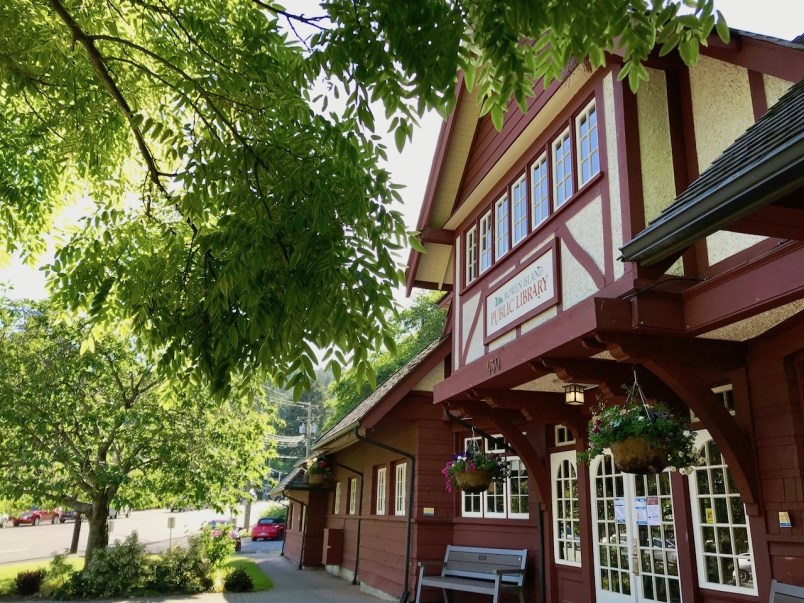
(425, 564)
(513, 572)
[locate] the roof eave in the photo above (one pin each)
(755, 187)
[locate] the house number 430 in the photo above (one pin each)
(493, 365)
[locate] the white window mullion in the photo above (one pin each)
(380, 492)
(400, 489)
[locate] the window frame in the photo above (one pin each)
(352, 496)
(520, 184)
(501, 490)
(336, 503)
(567, 161)
(400, 489)
(380, 488)
(702, 438)
(471, 254)
(502, 227)
(541, 160)
(483, 253)
(557, 460)
(589, 109)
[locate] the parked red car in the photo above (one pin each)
(268, 528)
(35, 516)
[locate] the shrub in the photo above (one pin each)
(238, 581)
(28, 583)
(182, 570)
(58, 575)
(216, 548)
(119, 570)
(72, 588)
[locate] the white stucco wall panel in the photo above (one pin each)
(586, 227)
(432, 378)
(723, 244)
(775, 88)
(722, 108)
(501, 341)
(539, 319)
(576, 284)
(612, 172)
(474, 339)
(656, 154)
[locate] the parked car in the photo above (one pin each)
(115, 513)
(3, 520)
(268, 528)
(68, 515)
(220, 526)
(35, 516)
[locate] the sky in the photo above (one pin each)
(411, 168)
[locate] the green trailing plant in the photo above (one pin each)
(319, 467)
(473, 460)
(238, 581)
(29, 582)
(655, 423)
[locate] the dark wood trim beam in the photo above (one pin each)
(717, 355)
(438, 236)
(773, 221)
(539, 407)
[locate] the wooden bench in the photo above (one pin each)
(786, 593)
(476, 570)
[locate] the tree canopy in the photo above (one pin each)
(85, 430)
(236, 222)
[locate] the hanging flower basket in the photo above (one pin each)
(644, 438)
(473, 471)
(318, 474)
(637, 455)
(475, 481)
(316, 480)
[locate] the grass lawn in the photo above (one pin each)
(9, 572)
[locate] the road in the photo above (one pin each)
(26, 543)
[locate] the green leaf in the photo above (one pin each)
(722, 28)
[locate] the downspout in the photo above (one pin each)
(539, 517)
(355, 581)
(405, 593)
(304, 531)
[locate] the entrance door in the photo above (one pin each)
(635, 551)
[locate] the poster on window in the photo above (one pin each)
(654, 511)
(641, 510)
(619, 511)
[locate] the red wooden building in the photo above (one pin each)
(600, 234)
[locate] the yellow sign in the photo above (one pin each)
(710, 516)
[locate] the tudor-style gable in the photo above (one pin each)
(525, 225)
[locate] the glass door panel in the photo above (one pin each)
(635, 558)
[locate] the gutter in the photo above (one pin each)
(405, 593)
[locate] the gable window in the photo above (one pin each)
(566, 518)
(540, 195)
(562, 169)
(563, 436)
(722, 535)
(501, 221)
(352, 496)
(507, 499)
(400, 489)
(336, 507)
(379, 498)
(471, 254)
(486, 239)
(586, 137)
(519, 209)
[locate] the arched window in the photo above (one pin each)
(566, 520)
(722, 534)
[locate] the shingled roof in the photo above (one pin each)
(763, 164)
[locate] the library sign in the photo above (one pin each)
(526, 294)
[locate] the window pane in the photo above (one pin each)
(501, 221)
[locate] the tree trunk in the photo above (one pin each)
(98, 527)
(76, 534)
